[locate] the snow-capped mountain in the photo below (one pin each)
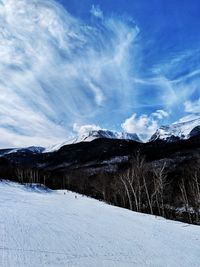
(31, 149)
(95, 134)
(183, 129)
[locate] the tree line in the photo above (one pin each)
(151, 188)
(141, 186)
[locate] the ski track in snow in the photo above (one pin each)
(39, 228)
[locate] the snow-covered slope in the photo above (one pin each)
(59, 228)
(95, 134)
(182, 129)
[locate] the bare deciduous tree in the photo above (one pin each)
(134, 180)
(185, 198)
(195, 193)
(159, 179)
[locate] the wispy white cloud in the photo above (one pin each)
(182, 74)
(96, 11)
(192, 106)
(56, 70)
(160, 114)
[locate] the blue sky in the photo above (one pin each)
(124, 65)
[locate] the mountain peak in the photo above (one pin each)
(182, 129)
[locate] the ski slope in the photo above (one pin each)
(59, 228)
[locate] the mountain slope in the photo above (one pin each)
(60, 228)
(31, 149)
(95, 134)
(179, 130)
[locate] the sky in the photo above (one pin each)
(125, 65)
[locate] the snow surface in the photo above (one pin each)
(40, 227)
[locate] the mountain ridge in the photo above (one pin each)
(180, 130)
(95, 134)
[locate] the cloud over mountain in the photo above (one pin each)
(145, 126)
(56, 70)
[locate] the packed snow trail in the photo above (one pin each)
(60, 228)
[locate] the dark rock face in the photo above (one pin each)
(170, 139)
(195, 131)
